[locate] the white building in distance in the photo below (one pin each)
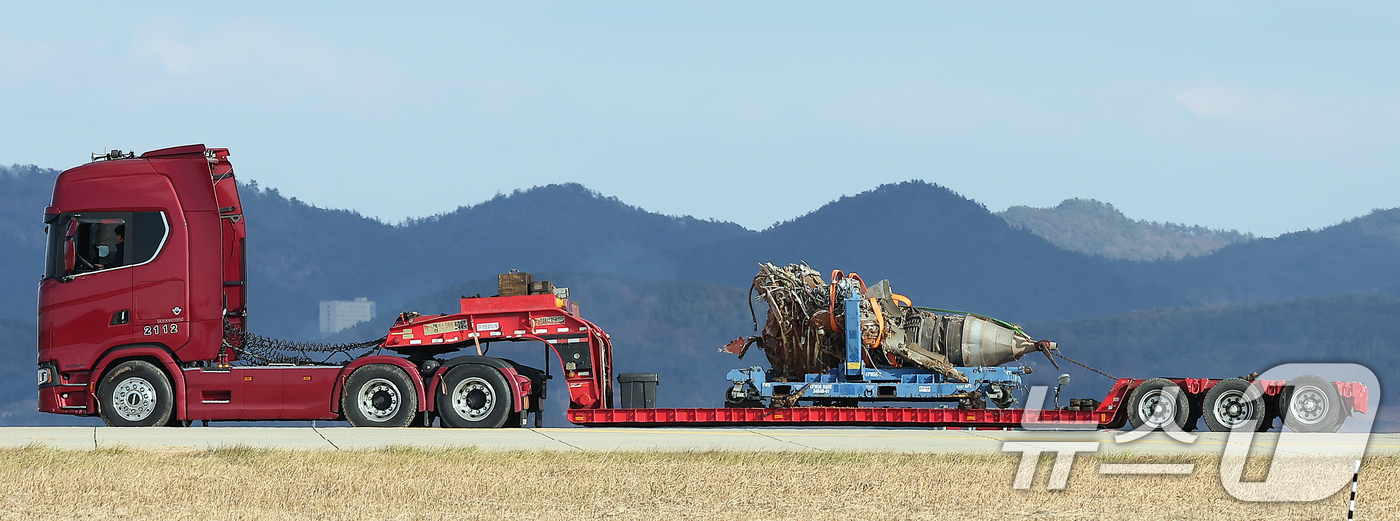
(337, 315)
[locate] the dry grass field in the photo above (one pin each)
(399, 483)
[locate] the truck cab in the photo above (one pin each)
(133, 244)
(143, 320)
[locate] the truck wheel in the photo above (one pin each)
(474, 396)
(135, 393)
(1150, 405)
(1228, 407)
(379, 395)
(1311, 404)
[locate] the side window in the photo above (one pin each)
(148, 233)
(105, 240)
(100, 242)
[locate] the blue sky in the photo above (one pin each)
(1262, 117)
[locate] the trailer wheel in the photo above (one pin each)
(1228, 407)
(379, 395)
(1151, 405)
(135, 393)
(1311, 404)
(474, 396)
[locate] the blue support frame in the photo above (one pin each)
(881, 384)
(855, 363)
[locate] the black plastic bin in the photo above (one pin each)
(638, 390)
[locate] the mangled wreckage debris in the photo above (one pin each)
(803, 332)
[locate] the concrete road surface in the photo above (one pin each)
(904, 440)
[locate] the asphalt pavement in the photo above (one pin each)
(898, 440)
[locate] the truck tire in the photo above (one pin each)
(135, 393)
(1311, 404)
(1148, 405)
(474, 396)
(1227, 407)
(379, 395)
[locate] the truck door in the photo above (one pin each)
(161, 298)
(91, 305)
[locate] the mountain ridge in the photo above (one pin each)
(1097, 228)
(948, 250)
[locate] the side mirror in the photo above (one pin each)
(69, 256)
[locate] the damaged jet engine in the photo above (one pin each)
(803, 332)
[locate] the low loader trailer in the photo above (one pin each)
(143, 321)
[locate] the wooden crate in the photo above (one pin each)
(514, 284)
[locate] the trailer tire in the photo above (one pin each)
(474, 396)
(1227, 407)
(379, 395)
(1311, 404)
(1147, 407)
(135, 393)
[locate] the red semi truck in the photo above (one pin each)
(143, 317)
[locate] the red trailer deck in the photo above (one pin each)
(1110, 413)
(830, 416)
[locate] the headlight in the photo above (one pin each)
(45, 376)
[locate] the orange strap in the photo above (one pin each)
(902, 299)
(831, 306)
(879, 319)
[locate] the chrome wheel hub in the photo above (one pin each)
(1157, 409)
(473, 399)
(1233, 409)
(134, 399)
(1308, 405)
(379, 400)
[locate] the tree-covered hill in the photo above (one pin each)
(24, 192)
(1361, 255)
(1097, 228)
(941, 249)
